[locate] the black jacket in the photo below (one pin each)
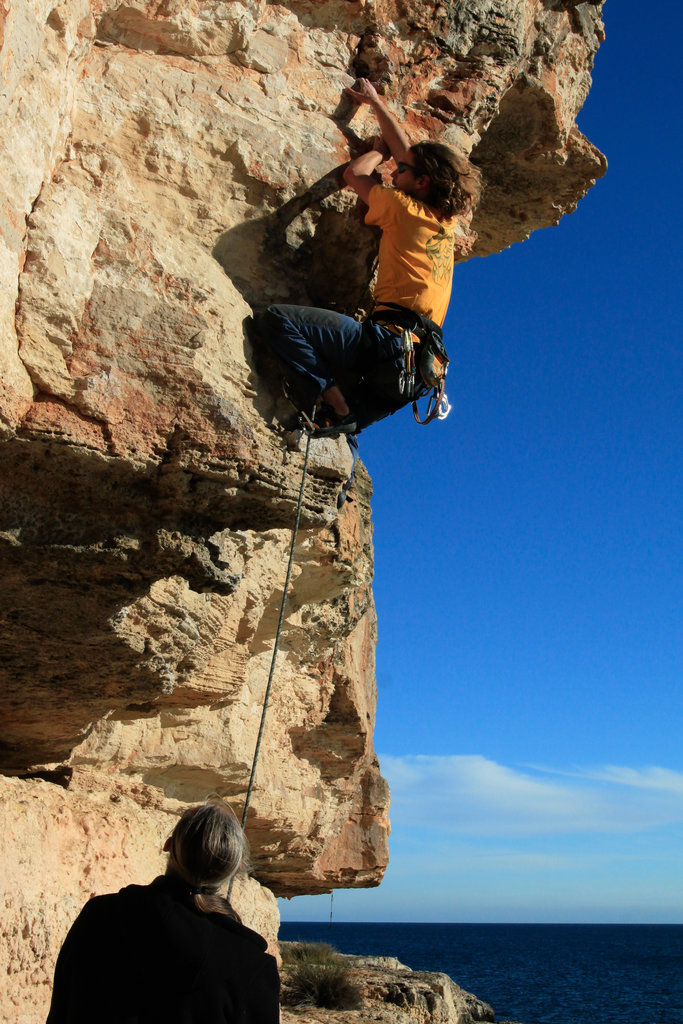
(146, 955)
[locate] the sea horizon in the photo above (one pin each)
(494, 924)
(534, 972)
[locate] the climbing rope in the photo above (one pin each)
(277, 641)
(277, 634)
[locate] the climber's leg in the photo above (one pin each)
(320, 346)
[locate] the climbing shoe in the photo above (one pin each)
(344, 495)
(331, 425)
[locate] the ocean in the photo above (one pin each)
(535, 973)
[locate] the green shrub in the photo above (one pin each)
(325, 985)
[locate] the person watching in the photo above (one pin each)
(173, 951)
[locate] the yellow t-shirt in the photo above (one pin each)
(415, 253)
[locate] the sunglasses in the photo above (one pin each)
(401, 167)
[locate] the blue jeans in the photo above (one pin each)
(323, 348)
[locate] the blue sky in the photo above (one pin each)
(528, 556)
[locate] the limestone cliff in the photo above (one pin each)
(167, 165)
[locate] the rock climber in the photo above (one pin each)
(343, 364)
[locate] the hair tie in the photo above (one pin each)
(203, 890)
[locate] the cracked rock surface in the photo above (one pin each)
(166, 169)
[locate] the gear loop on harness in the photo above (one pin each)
(420, 372)
(438, 410)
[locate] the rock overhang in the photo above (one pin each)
(166, 174)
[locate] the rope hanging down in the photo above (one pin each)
(275, 646)
(277, 634)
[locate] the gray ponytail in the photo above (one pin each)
(206, 849)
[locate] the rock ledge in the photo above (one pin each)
(395, 994)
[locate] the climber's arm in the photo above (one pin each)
(358, 174)
(398, 142)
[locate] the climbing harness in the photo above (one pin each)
(420, 372)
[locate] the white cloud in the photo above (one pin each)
(474, 840)
(473, 796)
(663, 779)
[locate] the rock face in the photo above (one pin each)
(165, 168)
(392, 993)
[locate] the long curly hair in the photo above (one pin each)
(454, 183)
